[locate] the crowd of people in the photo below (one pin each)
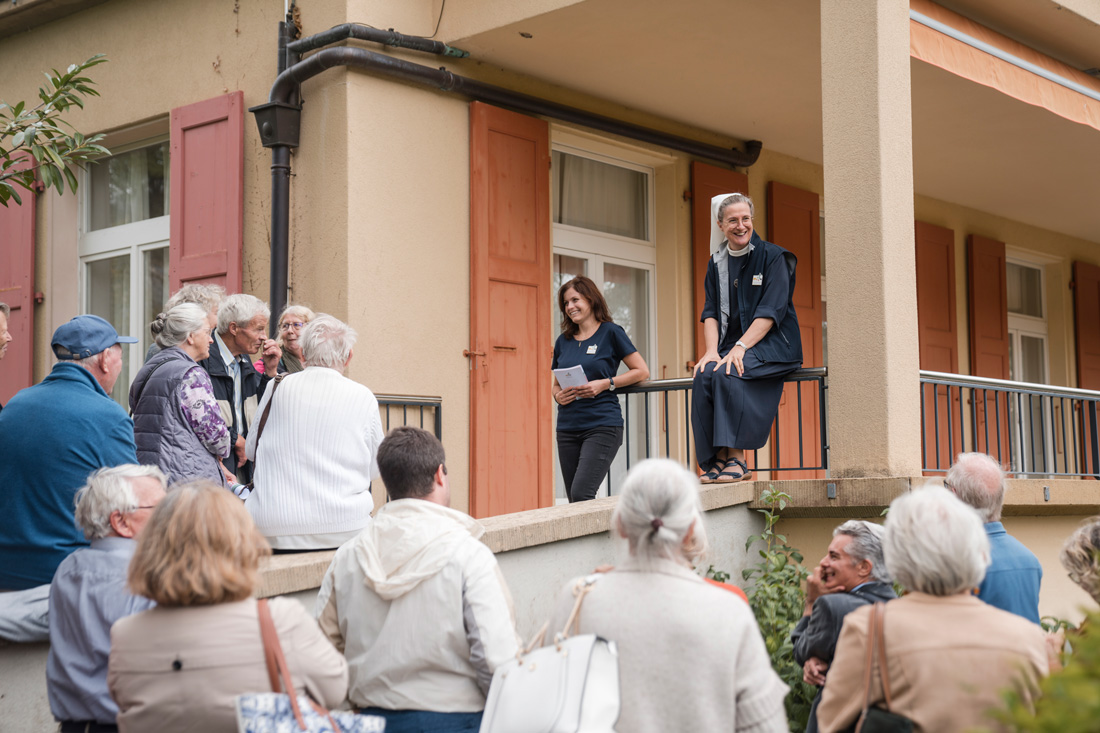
(134, 542)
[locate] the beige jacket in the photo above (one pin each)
(180, 669)
(691, 657)
(420, 609)
(949, 661)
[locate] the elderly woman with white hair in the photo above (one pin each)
(178, 425)
(949, 657)
(291, 322)
(690, 655)
(315, 454)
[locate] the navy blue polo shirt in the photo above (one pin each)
(600, 356)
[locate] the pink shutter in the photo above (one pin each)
(207, 214)
(17, 290)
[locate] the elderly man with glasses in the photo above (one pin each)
(89, 594)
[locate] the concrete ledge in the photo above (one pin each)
(26, 14)
(284, 574)
(868, 497)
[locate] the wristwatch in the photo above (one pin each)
(612, 387)
(741, 344)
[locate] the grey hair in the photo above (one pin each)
(658, 506)
(736, 198)
(240, 308)
(302, 311)
(866, 544)
(1080, 557)
(327, 341)
(5, 309)
(110, 490)
(934, 543)
(978, 480)
(208, 297)
(91, 362)
(172, 327)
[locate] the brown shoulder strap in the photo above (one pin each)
(267, 411)
(870, 658)
(276, 663)
(880, 643)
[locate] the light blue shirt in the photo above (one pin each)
(233, 367)
(88, 594)
(1012, 581)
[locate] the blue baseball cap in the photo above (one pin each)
(84, 336)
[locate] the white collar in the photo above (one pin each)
(740, 252)
(223, 350)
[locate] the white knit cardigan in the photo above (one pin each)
(317, 456)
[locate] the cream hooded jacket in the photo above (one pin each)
(420, 610)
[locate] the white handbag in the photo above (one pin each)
(570, 686)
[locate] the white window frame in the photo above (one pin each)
(600, 248)
(134, 239)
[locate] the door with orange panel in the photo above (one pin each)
(510, 403)
(988, 281)
(1086, 307)
(794, 223)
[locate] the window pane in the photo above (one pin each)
(129, 187)
(1032, 361)
(1025, 290)
(595, 195)
(626, 290)
(109, 297)
(156, 291)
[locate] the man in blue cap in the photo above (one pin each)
(53, 435)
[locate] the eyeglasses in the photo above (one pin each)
(150, 506)
(296, 325)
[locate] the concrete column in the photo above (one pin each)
(874, 401)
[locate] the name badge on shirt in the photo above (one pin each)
(758, 279)
(592, 349)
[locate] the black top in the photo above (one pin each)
(600, 356)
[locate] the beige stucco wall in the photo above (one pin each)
(1058, 595)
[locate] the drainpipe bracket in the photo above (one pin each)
(279, 123)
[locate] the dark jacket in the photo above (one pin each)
(161, 432)
(816, 635)
(772, 265)
(253, 385)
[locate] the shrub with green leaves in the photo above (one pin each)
(38, 141)
(1070, 700)
(777, 601)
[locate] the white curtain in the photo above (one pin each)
(596, 195)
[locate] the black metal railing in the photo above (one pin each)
(1032, 429)
(650, 435)
(395, 411)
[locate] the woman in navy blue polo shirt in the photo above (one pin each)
(590, 422)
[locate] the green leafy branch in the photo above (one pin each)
(42, 137)
(777, 601)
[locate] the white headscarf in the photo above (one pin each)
(717, 239)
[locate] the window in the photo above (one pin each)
(603, 224)
(124, 246)
(1028, 361)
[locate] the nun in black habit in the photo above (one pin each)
(752, 341)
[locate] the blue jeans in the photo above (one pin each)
(425, 721)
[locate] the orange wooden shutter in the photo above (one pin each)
(988, 308)
(707, 181)
(988, 280)
(939, 342)
(510, 451)
(794, 223)
(17, 290)
(1086, 311)
(207, 199)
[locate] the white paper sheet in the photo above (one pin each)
(571, 377)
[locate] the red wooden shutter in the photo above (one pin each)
(510, 300)
(988, 282)
(939, 342)
(794, 223)
(207, 200)
(707, 181)
(1086, 311)
(17, 290)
